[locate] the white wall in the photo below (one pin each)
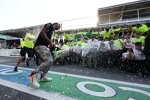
(9, 52)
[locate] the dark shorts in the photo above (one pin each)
(25, 50)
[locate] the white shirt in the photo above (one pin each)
(103, 46)
(100, 34)
(128, 43)
(93, 44)
(137, 54)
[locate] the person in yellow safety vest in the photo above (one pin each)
(27, 45)
(111, 33)
(113, 30)
(82, 43)
(139, 38)
(118, 42)
(117, 30)
(66, 36)
(70, 36)
(105, 34)
(79, 43)
(22, 43)
(95, 33)
(144, 29)
(83, 33)
(79, 32)
(29, 41)
(140, 28)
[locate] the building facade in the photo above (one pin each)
(133, 12)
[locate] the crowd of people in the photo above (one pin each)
(91, 47)
(79, 44)
(130, 40)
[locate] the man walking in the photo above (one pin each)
(41, 46)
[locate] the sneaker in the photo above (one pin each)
(15, 69)
(33, 79)
(27, 63)
(45, 79)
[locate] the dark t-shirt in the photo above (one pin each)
(49, 33)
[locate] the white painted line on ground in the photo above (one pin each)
(104, 80)
(36, 92)
(92, 78)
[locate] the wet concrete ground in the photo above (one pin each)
(101, 72)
